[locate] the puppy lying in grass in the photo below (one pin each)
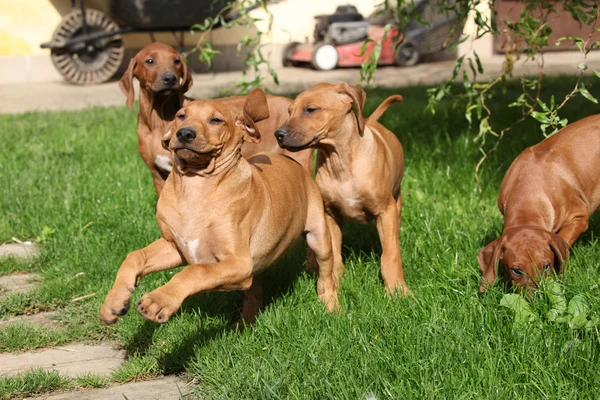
(227, 217)
(546, 197)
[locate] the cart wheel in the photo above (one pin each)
(89, 62)
(408, 54)
(325, 57)
(287, 55)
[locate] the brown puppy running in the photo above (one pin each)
(546, 197)
(359, 167)
(164, 78)
(228, 218)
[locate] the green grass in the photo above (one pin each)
(69, 169)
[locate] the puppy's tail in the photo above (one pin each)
(384, 106)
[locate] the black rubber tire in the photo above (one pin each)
(93, 62)
(287, 53)
(408, 54)
(314, 62)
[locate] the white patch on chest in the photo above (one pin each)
(192, 248)
(189, 248)
(164, 162)
(351, 202)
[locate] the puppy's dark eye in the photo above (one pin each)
(177, 61)
(149, 61)
(310, 110)
(181, 117)
(546, 267)
(517, 273)
(216, 121)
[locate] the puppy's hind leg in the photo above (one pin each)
(253, 302)
(388, 228)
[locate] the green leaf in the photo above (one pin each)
(592, 323)
(274, 75)
(543, 105)
(521, 308)
(363, 49)
(440, 95)
(466, 82)
(584, 92)
(472, 68)
(456, 44)
(578, 306)
(541, 117)
(47, 232)
(556, 297)
(597, 73)
(478, 61)
(457, 66)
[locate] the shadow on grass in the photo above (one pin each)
(277, 281)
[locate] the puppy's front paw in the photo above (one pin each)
(115, 306)
(158, 305)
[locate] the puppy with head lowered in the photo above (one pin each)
(359, 167)
(164, 78)
(546, 197)
(228, 218)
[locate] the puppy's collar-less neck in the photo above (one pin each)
(337, 152)
(161, 106)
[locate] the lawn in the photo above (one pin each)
(75, 181)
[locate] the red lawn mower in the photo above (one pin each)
(339, 38)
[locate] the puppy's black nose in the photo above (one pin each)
(280, 134)
(169, 79)
(186, 135)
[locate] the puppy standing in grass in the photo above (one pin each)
(164, 78)
(226, 217)
(546, 197)
(359, 167)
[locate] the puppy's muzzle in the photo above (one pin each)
(185, 135)
(169, 79)
(280, 135)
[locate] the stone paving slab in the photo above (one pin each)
(167, 388)
(41, 319)
(18, 283)
(71, 360)
(19, 250)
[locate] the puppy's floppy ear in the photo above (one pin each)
(166, 139)
(187, 82)
(126, 82)
(560, 248)
(488, 259)
(256, 109)
(358, 96)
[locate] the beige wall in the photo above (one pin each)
(25, 24)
